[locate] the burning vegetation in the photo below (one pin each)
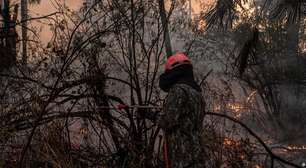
(89, 97)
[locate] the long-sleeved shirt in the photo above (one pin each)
(184, 110)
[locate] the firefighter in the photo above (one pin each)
(183, 113)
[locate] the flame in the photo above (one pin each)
(236, 108)
(227, 141)
(84, 131)
(230, 142)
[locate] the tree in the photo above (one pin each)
(272, 35)
(91, 99)
(72, 78)
(24, 18)
(24, 27)
(8, 35)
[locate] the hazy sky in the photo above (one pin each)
(47, 7)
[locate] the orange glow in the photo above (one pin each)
(230, 142)
(47, 7)
(236, 108)
(197, 5)
(84, 131)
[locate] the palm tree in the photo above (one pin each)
(224, 10)
(288, 16)
(24, 18)
(164, 21)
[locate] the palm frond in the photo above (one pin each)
(248, 52)
(291, 10)
(223, 13)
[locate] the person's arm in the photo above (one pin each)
(172, 109)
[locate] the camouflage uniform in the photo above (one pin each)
(182, 120)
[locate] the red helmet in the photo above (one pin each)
(177, 60)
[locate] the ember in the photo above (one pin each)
(237, 109)
(230, 142)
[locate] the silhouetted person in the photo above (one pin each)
(183, 113)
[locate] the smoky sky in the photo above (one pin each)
(47, 7)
